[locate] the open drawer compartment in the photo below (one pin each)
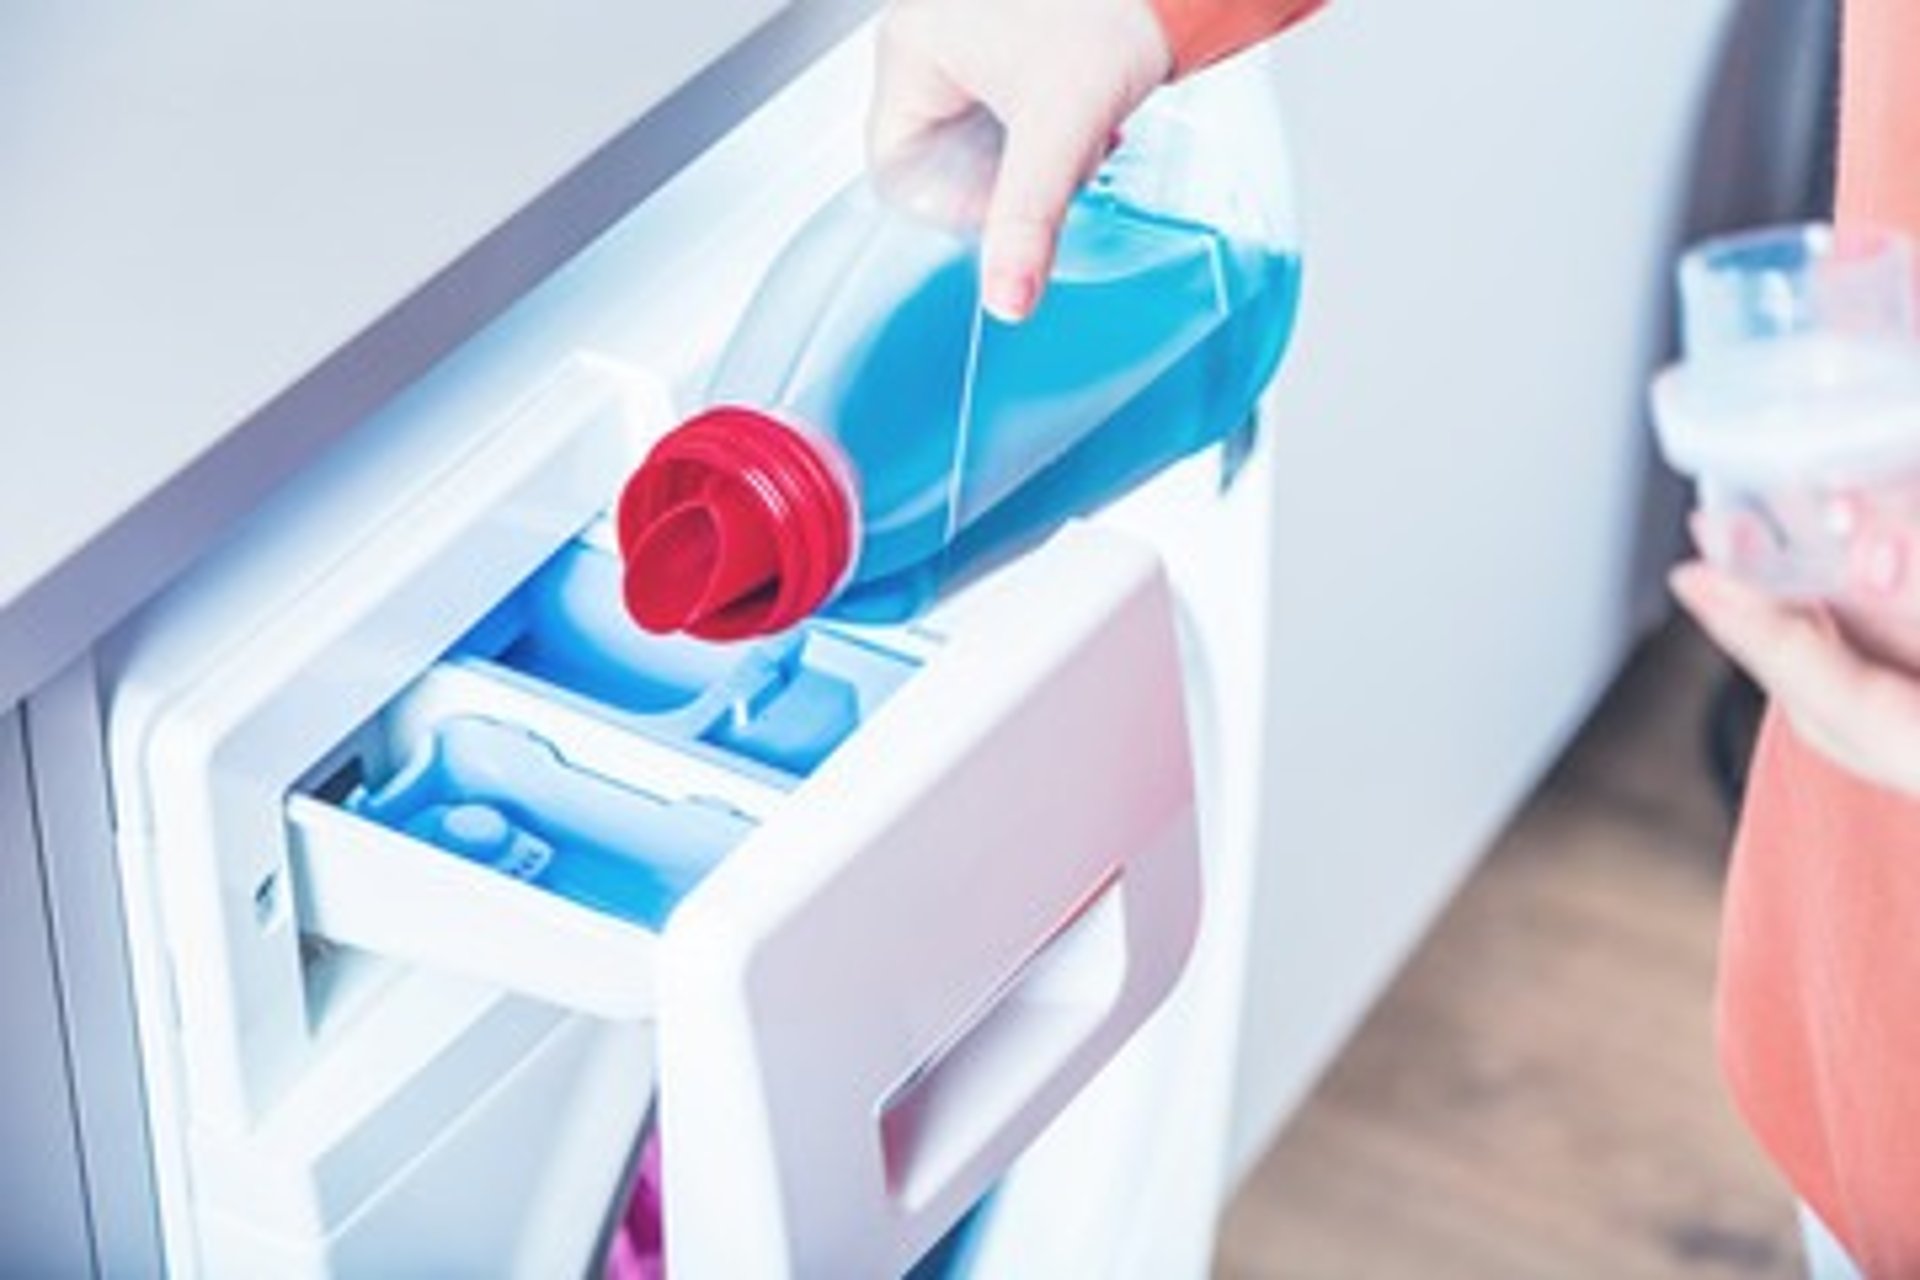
(891, 898)
(561, 750)
(544, 858)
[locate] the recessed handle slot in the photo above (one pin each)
(976, 1083)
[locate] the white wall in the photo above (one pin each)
(1492, 190)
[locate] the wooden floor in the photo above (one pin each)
(1536, 1097)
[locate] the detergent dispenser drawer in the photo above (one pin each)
(887, 899)
(533, 808)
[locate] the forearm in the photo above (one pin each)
(1880, 114)
(1204, 31)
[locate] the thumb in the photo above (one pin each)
(1047, 157)
(1777, 644)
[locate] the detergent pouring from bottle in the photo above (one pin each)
(874, 436)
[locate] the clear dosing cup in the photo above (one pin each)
(1797, 407)
(1783, 282)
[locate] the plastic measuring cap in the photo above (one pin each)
(735, 525)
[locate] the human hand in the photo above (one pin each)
(1058, 75)
(1847, 675)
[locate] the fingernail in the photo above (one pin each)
(1881, 565)
(1009, 294)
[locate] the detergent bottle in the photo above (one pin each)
(872, 435)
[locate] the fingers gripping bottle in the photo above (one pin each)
(873, 436)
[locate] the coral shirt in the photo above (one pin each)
(1204, 31)
(1820, 958)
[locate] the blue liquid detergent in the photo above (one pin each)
(870, 437)
(1154, 340)
(498, 796)
(785, 702)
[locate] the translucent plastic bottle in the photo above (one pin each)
(874, 435)
(1797, 407)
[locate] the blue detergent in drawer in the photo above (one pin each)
(782, 704)
(498, 795)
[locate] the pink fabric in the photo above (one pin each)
(639, 1247)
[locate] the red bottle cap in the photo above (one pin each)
(736, 525)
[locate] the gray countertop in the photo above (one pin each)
(230, 233)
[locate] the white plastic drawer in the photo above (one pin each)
(878, 959)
